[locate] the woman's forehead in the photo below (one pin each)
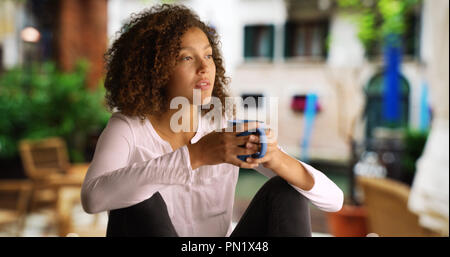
(193, 48)
(194, 38)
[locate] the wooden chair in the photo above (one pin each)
(15, 196)
(46, 163)
(388, 215)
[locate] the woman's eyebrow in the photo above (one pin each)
(192, 48)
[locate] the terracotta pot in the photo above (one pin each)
(350, 221)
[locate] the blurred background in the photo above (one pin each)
(362, 89)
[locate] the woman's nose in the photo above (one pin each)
(202, 66)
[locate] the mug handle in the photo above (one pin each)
(263, 142)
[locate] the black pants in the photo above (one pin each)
(276, 210)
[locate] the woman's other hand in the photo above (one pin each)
(272, 158)
(224, 147)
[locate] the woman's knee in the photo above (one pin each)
(280, 191)
(289, 208)
(277, 185)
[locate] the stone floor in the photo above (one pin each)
(40, 224)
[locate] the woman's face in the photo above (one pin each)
(195, 68)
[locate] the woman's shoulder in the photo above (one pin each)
(132, 121)
(124, 124)
(129, 127)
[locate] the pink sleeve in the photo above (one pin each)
(112, 183)
(325, 194)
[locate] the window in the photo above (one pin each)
(258, 41)
(306, 38)
(374, 103)
(252, 100)
(411, 37)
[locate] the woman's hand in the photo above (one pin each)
(285, 166)
(223, 147)
(272, 158)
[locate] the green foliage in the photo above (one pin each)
(367, 28)
(383, 19)
(415, 141)
(40, 101)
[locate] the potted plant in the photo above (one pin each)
(414, 144)
(351, 220)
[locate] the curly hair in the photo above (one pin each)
(140, 61)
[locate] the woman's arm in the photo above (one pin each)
(313, 184)
(111, 183)
(293, 171)
(324, 193)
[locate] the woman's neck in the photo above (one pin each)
(162, 123)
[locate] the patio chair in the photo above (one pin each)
(15, 196)
(46, 163)
(388, 215)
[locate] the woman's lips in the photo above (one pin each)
(202, 84)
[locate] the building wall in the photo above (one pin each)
(82, 34)
(285, 81)
(118, 12)
(338, 81)
(12, 19)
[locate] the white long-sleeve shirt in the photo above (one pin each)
(132, 162)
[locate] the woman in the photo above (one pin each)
(155, 181)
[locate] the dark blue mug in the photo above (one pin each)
(257, 131)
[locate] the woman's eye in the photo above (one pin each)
(188, 58)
